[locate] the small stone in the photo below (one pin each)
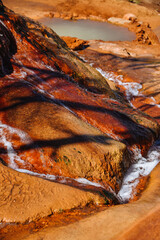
(51, 15)
(74, 43)
(119, 21)
(57, 15)
(130, 16)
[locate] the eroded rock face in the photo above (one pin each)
(133, 75)
(55, 52)
(49, 86)
(102, 111)
(70, 147)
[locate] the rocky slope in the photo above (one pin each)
(138, 68)
(59, 116)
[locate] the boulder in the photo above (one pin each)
(70, 147)
(130, 16)
(56, 53)
(75, 43)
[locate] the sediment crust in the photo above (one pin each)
(115, 221)
(25, 198)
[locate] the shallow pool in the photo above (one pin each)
(87, 29)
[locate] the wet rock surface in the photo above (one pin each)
(8, 48)
(33, 64)
(69, 146)
(60, 117)
(134, 65)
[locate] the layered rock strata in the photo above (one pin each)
(59, 116)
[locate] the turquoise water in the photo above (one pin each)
(87, 29)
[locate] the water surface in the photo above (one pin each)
(87, 29)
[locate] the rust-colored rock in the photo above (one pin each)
(70, 147)
(48, 92)
(32, 99)
(75, 43)
(145, 34)
(8, 48)
(137, 220)
(55, 53)
(120, 119)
